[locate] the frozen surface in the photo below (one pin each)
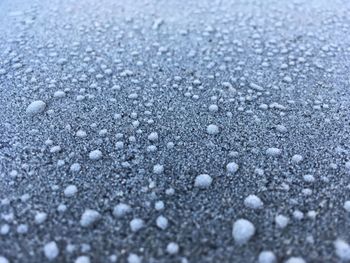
(146, 131)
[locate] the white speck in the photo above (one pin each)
(347, 205)
(309, 178)
(159, 205)
(121, 210)
(59, 94)
(4, 260)
(55, 149)
(136, 224)
(40, 218)
(297, 158)
(158, 169)
(153, 136)
(273, 152)
(95, 155)
(51, 250)
(281, 221)
(312, 214)
(75, 167)
(212, 129)
(267, 257)
(232, 167)
(172, 248)
(203, 181)
(82, 259)
(281, 128)
(133, 258)
(298, 215)
(342, 249)
(295, 260)
(89, 217)
(253, 202)
(347, 165)
(162, 222)
(22, 229)
(62, 208)
(242, 231)
(36, 107)
(80, 134)
(213, 108)
(70, 190)
(119, 145)
(5, 229)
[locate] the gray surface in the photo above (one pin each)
(311, 36)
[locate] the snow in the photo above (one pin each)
(159, 205)
(121, 209)
(75, 167)
(172, 248)
(158, 169)
(82, 259)
(342, 249)
(213, 129)
(70, 191)
(36, 107)
(232, 167)
(89, 217)
(274, 152)
(281, 221)
(243, 230)
(297, 158)
(253, 202)
(203, 181)
(295, 260)
(136, 224)
(309, 178)
(153, 136)
(162, 222)
(4, 260)
(51, 250)
(95, 155)
(347, 205)
(133, 258)
(40, 218)
(267, 257)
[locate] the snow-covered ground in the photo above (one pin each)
(174, 131)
